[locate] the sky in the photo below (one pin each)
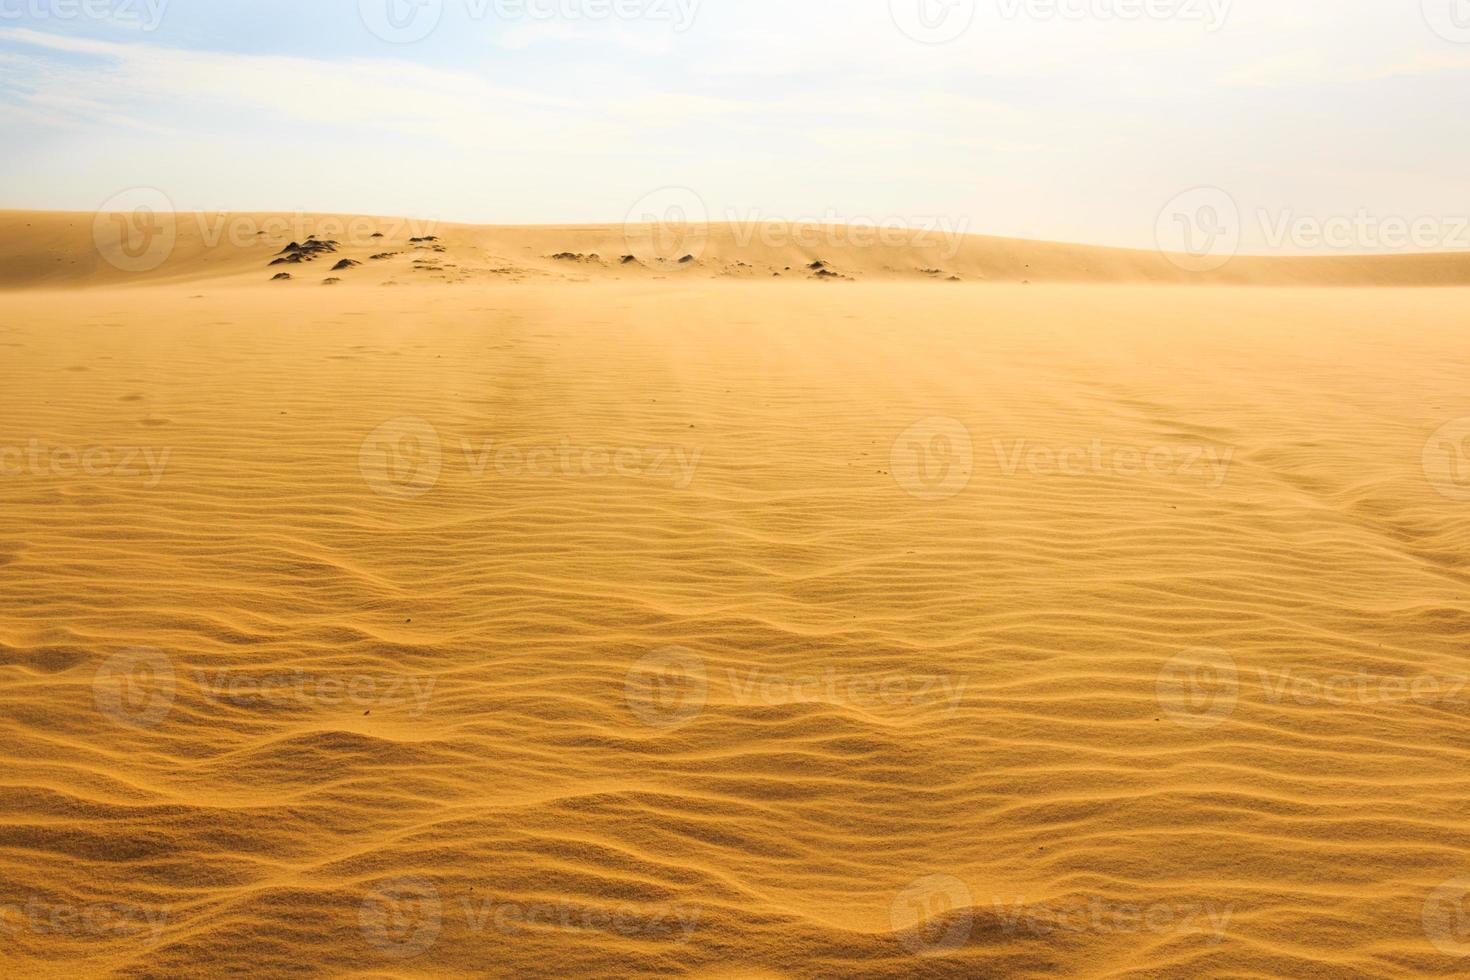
(1310, 124)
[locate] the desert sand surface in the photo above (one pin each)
(494, 613)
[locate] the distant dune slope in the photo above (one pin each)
(60, 250)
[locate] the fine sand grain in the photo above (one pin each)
(551, 614)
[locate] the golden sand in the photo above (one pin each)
(551, 616)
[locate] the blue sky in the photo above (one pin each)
(1013, 117)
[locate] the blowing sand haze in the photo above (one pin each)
(697, 592)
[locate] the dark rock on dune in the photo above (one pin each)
(627, 259)
(304, 251)
(686, 260)
(425, 238)
(568, 256)
(376, 234)
(827, 274)
(280, 276)
(345, 264)
(383, 255)
(331, 281)
(817, 265)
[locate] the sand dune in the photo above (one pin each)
(59, 250)
(656, 617)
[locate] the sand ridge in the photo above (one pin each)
(726, 626)
(65, 250)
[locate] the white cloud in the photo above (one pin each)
(1053, 128)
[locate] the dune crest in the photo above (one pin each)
(63, 250)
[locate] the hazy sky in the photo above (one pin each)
(1062, 119)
